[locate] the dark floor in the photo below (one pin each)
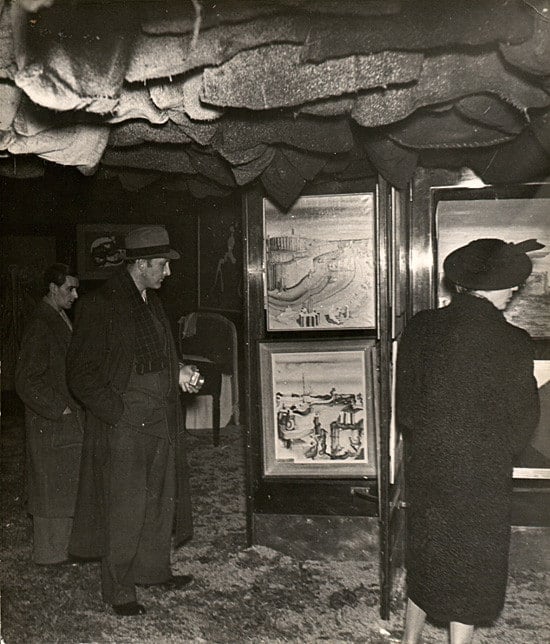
(242, 593)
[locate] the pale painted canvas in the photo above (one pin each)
(320, 263)
(513, 220)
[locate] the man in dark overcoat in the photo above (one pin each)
(53, 418)
(467, 402)
(123, 366)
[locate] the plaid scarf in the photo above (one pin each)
(149, 353)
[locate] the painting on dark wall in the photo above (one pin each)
(512, 219)
(320, 263)
(100, 249)
(317, 401)
(220, 264)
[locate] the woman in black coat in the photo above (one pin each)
(467, 402)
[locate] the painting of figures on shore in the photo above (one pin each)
(513, 220)
(320, 263)
(318, 410)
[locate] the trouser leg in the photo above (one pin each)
(125, 484)
(51, 539)
(140, 490)
(152, 561)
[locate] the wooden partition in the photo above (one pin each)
(321, 501)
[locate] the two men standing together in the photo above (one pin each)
(122, 366)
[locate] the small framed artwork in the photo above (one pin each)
(319, 261)
(534, 462)
(514, 214)
(220, 262)
(100, 249)
(318, 409)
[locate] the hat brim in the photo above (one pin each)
(167, 254)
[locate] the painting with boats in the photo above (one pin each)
(320, 263)
(514, 220)
(317, 406)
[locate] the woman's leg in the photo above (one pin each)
(461, 633)
(414, 623)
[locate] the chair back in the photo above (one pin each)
(214, 337)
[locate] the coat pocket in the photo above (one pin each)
(69, 431)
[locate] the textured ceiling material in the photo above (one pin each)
(444, 129)
(136, 132)
(492, 112)
(208, 96)
(183, 94)
(241, 131)
(447, 77)
(161, 158)
(421, 24)
(76, 55)
(78, 145)
(274, 76)
(7, 47)
(540, 124)
(533, 55)
(246, 172)
(394, 163)
(170, 55)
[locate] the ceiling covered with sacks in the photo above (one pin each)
(207, 96)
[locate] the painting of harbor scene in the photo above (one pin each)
(320, 263)
(318, 418)
(513, 220)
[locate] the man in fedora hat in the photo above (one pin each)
(467, 402)
(123, 366)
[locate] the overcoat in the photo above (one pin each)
(99, 365)
(467, 402)
(54, 439)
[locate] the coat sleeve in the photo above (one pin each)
(88, 362)
(409, 375)
(522, 395)
(35, 380)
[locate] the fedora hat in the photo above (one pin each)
(148, 242)
(490, 264)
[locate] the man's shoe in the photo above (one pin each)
(129, 609)
(176, 582)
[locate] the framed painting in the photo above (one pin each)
(220, 262)
(534, 462)
(318, 409)
(514, 214)
(320, 263)
(100, 249)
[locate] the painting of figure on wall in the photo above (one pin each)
(320, 263)
(318, 410)
(513, 220)
(220, 286)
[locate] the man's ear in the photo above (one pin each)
(52, 288)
